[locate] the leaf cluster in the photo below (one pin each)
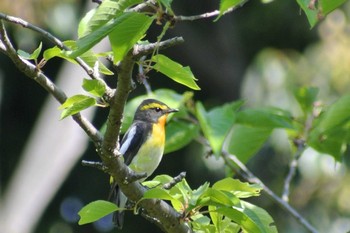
(218, 208)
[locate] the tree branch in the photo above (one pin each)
(145, 49)
(89, 70)
(251, 178)
(174, 181)
(38, 76)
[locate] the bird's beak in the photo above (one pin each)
(170, 110)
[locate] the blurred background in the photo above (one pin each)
(258, 53)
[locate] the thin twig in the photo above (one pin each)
(292, 168)
(143, 77)
(250, 177)
(141, 50)
(208, 14)
(93, 164)
(174, 181)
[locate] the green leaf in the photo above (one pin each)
(312, 14)
(32, 56)
(265, 118)
(88, 57)
(167, 4)
(87, 42)
(83, 26)
(179, 134)
(158, 180)
(330, 133)
(306, 97)
(251, 220)
(175, 71)
(107, 10)
(260, 217)
(76, 104)
(245, 141)
(238, 188)
(226, 5)
(217, 123)
(201, 223)
(338, 114)
(332, 142)
(157, 193)
(217, 198)
(94, 87)
(197, 193)
(127, 33)
(328, 6)
(96, 210)
(319, 10)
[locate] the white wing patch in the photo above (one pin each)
(130, 135)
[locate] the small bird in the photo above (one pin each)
(142, 147)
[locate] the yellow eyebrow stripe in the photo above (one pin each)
(154, 105)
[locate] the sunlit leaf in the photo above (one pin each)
(265, 118)
(337, 114)
(250, 219)
(319, 10)
(30, 56)
(94, 87)
(217, 123)
(218, 198)
(312, 14)
(238, 188)
(306, 96)
(167, 4)
(328, 6)
(96, 210)
(330, 133)
(76, 104)
(88, 41)
(125, 35)
(226, 5)
(88, 57)
(245, 141)
(107, 10)
(260, 217)
(198, 192)
(157, 193)
(175, 71)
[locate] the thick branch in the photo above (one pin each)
(134, 191)
(249, 176)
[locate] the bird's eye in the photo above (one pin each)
(158, 109)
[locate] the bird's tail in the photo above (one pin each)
(118, 197)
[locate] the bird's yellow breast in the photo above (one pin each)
(151, 152)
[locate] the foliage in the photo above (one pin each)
(208, 209)
(317, 10)
(230, 128)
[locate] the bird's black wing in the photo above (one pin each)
(136, 135)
